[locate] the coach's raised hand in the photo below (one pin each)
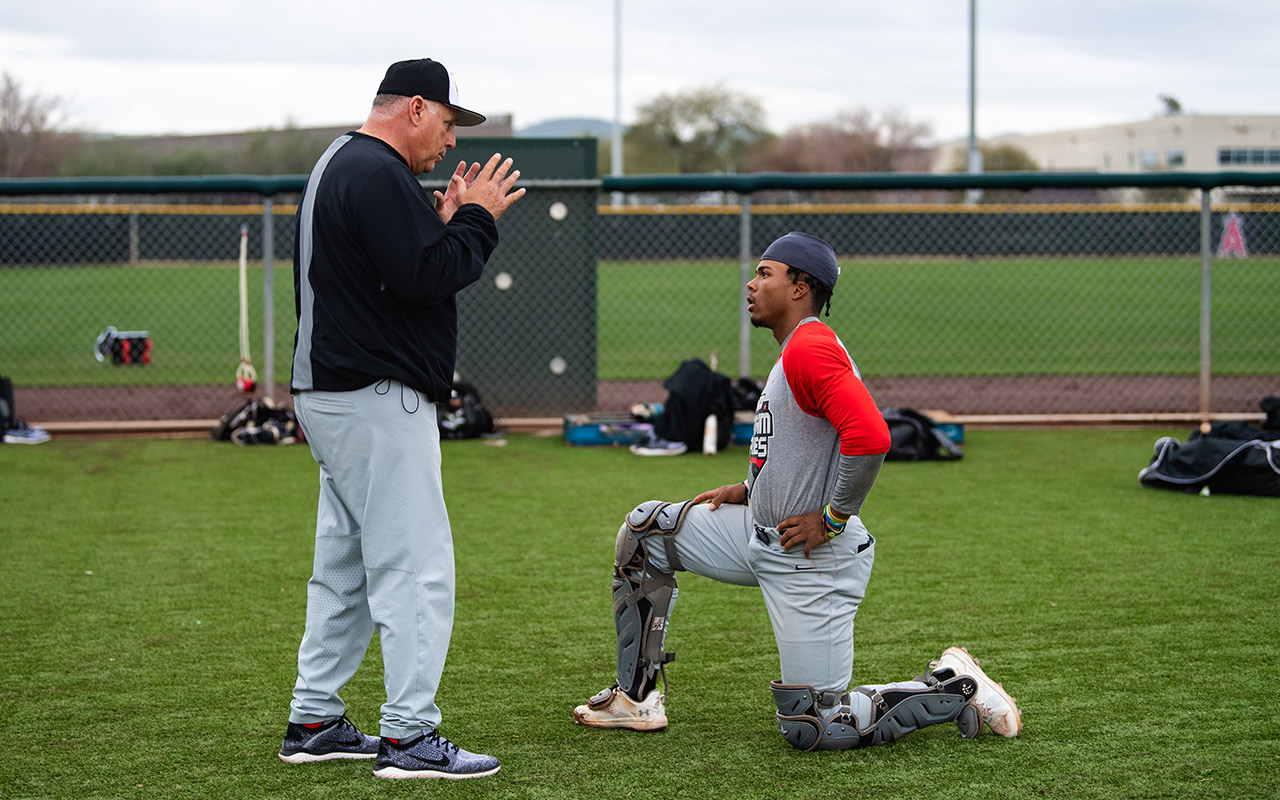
(491, 188)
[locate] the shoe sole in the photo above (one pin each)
(581, 715)
(974, 671)
(307, 758)
(396, 773)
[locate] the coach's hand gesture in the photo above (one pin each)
(447, 201)
(491, 187)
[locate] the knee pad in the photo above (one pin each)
(881, 716)
(643, 597)
(805, 727)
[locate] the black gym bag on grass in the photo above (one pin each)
(1223, 465)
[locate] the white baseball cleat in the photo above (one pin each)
(997, 707)
(612, 708)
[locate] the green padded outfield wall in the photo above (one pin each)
(527, 329)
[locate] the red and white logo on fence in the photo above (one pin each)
(1232, 243)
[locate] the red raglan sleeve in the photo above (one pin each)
(822, 379)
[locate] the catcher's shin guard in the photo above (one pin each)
(866, 717)
(643, 597)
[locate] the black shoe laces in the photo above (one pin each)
(345, 725)
(439, 741)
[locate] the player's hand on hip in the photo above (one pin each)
(447, 201)
(735, 493)
(804, 529)
(492, 187)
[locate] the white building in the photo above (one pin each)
(1179, 142)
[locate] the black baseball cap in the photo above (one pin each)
(422, 76)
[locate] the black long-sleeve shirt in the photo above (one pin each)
(376, 271)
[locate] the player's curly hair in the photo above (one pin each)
(819, 291)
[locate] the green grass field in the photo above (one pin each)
(154, 593)
(925, 317)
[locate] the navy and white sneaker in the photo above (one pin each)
(430, 756)
(22, 433)
(655, 445)
(334, 739)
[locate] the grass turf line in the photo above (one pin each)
(1133, 625)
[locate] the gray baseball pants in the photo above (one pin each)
(811, 601)
(383, 554)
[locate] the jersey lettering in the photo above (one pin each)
(760, 435)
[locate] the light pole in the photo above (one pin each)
(616, 149)
(975, 155)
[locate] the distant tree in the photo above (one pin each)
(190, 161)
(1171, 105)
(709, 129)
(289, 151)
(857, 140)
(109, 156)
(996, 158)
(33, 137)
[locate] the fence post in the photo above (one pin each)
(133, 234)
(744, 252)
(268, 300)
(1206, 300)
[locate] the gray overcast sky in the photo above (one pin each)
(160, 66)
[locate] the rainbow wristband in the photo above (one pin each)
(833, 526)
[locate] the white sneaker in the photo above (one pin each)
(996, 706)
(612, 708)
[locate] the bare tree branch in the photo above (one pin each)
(31, 141)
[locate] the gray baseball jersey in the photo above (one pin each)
(813, 408)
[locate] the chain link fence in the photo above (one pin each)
(1062, 304)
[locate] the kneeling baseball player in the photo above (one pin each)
(791, 528)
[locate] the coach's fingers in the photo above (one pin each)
(486, 172)
(471, 174)
(505, 201)
(500, 173)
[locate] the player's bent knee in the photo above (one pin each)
(805, 727)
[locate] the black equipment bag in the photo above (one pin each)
(695, 392)
(8, 417)
(464, 416)
(1223, 465)
(258, 421)
(915, 437)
